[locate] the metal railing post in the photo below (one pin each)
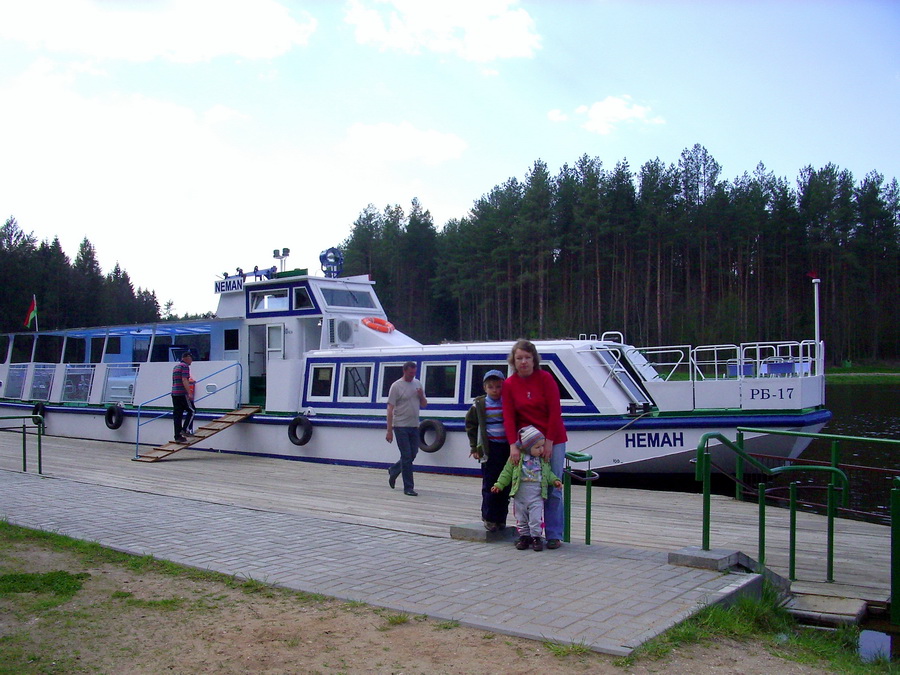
(831, 508)
(895, 553)
(792, 554)
(589, 477)
(707, 498)
(739, 469)
(24, 455)
(40, 435)
(761, 495)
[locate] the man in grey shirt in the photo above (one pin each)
(405, 399)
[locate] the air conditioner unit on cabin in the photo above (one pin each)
(340, 332)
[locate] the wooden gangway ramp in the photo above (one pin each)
(202, 433)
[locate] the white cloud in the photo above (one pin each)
(178, 30)
(557, 115)
(604, 116)
(474, 30)
(402, 142)
(134, 174)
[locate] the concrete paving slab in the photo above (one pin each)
(608, 598)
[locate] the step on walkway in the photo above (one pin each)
(608, 598)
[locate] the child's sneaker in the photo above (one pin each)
(523, 543)
(537, 544)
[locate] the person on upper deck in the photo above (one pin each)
(531, 396)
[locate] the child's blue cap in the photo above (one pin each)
(493, 374)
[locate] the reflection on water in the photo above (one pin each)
(864, 410)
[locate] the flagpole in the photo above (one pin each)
(36, 327)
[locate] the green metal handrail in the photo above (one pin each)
(589, 477)
(895, 552)
(38, 421)
(703, 472)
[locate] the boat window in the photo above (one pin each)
(302, 299)
(76, 349)
(345, 297)
(440, 380)
(114, 345)
(97, 349)
(49, 349)
(272, 300)
(321, 382)
(232, 339)
(356, 381)
(390, 373)
(564, 393)
(476, 375)
(22, 346)
(4, 347)
(140, 349)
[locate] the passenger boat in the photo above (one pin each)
(317, 355)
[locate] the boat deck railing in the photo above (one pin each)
(237, 383)
(731, 361)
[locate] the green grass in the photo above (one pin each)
(59, 583)
(764, 620)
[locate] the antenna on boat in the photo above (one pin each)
(285, 252)
(816, 281)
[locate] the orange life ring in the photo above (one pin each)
(379, 324)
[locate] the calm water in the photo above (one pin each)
(871, 410)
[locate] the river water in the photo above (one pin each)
(863, 410)
(871, 410)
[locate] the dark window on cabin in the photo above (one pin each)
(160, 351)
(357, 380)
(4, 348)
(564, 393)
(49, 349)
(97, 349)
(321, 381)
(75, 350)
(22, 347)
(476, 384)
(114, 345)
(232, 339)
(340, 297)
(440, 380)
(302, 299)
(389, 375)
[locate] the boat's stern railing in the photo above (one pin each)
(237, 383)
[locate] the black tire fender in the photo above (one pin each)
(440, 435)
(114, 417)
(39, 409)
(302, 424)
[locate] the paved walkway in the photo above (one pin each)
(610, 599)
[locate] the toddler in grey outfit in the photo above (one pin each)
(530, 480)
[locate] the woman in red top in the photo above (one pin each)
(531, 396)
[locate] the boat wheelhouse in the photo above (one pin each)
(317, 355)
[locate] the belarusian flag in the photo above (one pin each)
(32, 312)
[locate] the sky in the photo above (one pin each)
(187, 138)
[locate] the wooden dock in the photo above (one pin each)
(662, 521)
